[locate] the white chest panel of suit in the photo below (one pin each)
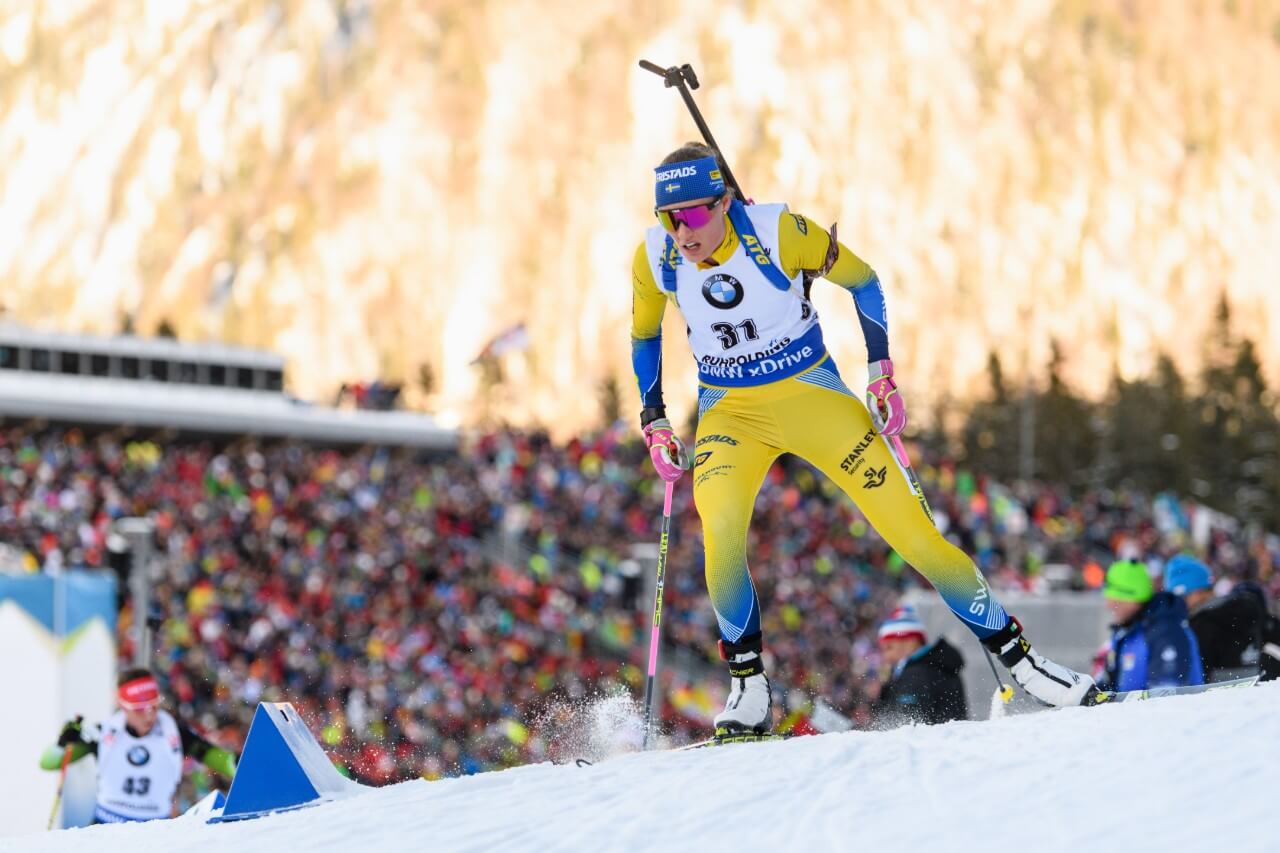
(138, 776)
(743, 328)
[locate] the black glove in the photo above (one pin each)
(71, 733)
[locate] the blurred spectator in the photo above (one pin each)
(924, 683)
(1269, 662)
(376, 395)
(1151, 642)
(1230, 629)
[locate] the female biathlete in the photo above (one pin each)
(767, 386)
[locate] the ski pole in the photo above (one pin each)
(1004, 692)
(654, 630)
(904, 461)
(62, 778)
(677, 77)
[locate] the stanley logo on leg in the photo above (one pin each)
(851, 463)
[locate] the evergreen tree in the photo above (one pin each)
(1147, 431)
(990, 433)
(1254, 445)
(1174, 428)
(1217, 428)
(1237, 451)
(1066, 440)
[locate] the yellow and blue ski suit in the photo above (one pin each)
(767, 386)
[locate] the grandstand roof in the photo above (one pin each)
(235, 391)
(19, 335)
(84, 399)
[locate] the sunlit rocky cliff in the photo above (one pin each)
(370, 187)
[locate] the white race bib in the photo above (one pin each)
(137, 776)
(743, 328)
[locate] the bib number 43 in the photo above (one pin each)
(137, 785)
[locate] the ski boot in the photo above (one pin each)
(749, 708)
(1051, 683)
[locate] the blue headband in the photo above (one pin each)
(687, 181)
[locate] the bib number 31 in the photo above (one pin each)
(728, 333)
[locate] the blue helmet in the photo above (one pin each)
(1184, 574)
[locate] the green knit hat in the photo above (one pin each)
(1128, 580)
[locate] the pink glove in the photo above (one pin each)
(667, 451)
(888, 412)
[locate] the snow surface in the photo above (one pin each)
(1181, 773)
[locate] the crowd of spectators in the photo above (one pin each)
(435, 616)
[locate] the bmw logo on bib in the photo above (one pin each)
(138, 756)
(722, 291)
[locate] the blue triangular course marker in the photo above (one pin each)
(282, 768)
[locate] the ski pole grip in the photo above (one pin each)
(675, 76)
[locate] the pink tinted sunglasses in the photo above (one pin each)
(695, 217)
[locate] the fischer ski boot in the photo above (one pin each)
(750, 705)
(1051, 683)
